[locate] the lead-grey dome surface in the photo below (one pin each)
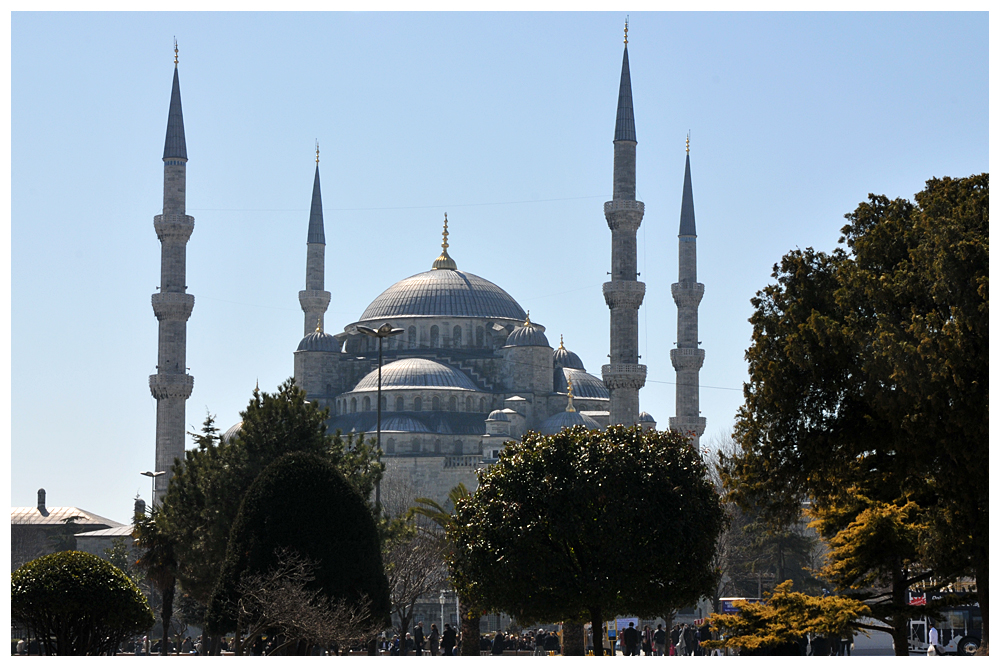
(561, 420)
(444, 293)
(563, 357)
(497, 416)
(416, 373)
(527, 336)
(646, 417)
(585, 385)
(317, 341)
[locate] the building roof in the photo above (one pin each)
(416, 373)
(585, 385)
(174, 145)
(566, 359)
(316, 234)
(437, 293)
(625, 121)
(497, 416)
(232, 432)
(57, 516)
(687, 203)
(118, 531)
(528, 335)
(646, 417)
(318, 341)
(561, 420)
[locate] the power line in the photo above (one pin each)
(398, 208)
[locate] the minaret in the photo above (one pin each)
(687, 357)
(624, 376)
(171, 386)
(314, 299)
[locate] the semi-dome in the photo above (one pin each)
(528, 335)
(497, 416)
(232, 432)
(563, 357)
(443, 293)
(585, 385)
(416, 373)
(317, 341)
(561, 420)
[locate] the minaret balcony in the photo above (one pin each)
(313, 300)
(688, 425)
(624, 293)
(624, 376)
(172, 306)
(624, 214)
(687, 294)
(171, 385)
(687, 358)
(173, 227)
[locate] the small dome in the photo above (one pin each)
(497, 416)
(317, 341)
(646, 417)
(561, 420)
(233, 431)
(416, 373)
(563, 357)
(527, 335)
(585, 385)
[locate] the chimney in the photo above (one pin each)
(41, 502)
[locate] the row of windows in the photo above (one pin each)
(436, 339)
(399, 402)
(415, 447)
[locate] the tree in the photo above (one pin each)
(415, 568)
(589, 525)
(783, 619)
(158, 562)
(303, 504)
(206, 490)
(868, 369)
(78, 604)
(120, 555)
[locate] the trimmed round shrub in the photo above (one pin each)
(78, 604)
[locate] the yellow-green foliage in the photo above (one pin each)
(785, 616)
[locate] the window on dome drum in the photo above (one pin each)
(479, 336)
(385, 401)
(354, 405)
(415, 446)
(468, 404)
(482, 405)
(437, 446)
(418, 404)
(435, 335)
(453, 404)
(456, 337)
(411, 336)
(329, 389)
(390, 447)
(436, 403)
(399, 404)
(459, 448)
(366, 404)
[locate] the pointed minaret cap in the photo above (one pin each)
(625, 122)
(174, 147)
(569, 392)
(687, 199)
(316, 234)
(444, 261)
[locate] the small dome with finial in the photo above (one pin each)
(528, 335)
(317, 341)
(563, 358)
(444, 261)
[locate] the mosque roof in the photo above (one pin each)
(232, 432)
(174, 146)
(528, 335)
(498, 416)
(315, 234)
(440, 422)
(563, 357)
(416, 373)
(443, 293)
(625, 120)
(317, 341)
(687, 203)
(585, 385)
(58, 516)
(646, 417)
(561, 420)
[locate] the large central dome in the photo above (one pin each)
(444, 293)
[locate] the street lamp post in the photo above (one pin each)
(441, 601)
(383, 331)
(152, 483)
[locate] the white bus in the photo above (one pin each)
(960, 628)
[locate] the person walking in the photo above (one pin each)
(497, 648)
(647, 640)
(448, 639)
(418, 639)
(433, 639)
(630, 637)
(659, 640)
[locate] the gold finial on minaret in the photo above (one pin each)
(317, 151)
(444, 261)
(561, 343)
(319, 325)
(527, 319)
(569, 391)
(687, 143)
(626, 30)
(175, 52)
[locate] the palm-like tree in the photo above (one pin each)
(157, 560)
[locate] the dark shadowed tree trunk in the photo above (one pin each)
(574, 642)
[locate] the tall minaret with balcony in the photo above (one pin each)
(687, 357)
(624, 376)
(172, 305)
(314, 299)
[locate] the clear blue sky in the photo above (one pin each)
(505, 121)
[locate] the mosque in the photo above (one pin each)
(464, 369)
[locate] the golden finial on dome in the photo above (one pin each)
(687, 143)
(317, 151)
(175, 52)
(319, 325)
(569, 391)
(444, 261)
(626, 30)
(527, 319)
(561, 343)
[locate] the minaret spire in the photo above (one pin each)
(687, 358)
(314, 299)
(624, 376)
(444, 260)
(171, 386)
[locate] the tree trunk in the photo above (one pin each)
(574, 642)
(167, 610)
(470, 630)
(216, 645)
(900, 623)
(597, 630)
(981, 563)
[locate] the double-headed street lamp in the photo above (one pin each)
(383, 331)
(152, 482)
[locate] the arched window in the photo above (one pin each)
(329, 389)
(418, 404)
(436, 403)
(366, 404)
(453, 404)
(468, 404)
(434, 336)
(415, 446)
(482, 405)
(354, 404)
(385, 405)
(411, 336)
(437, 446)
(459, 448)
(456, 337)
(390, 447)
(479, 336)
(399, 404)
